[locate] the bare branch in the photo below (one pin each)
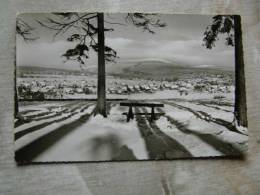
(61, 27)
(145, 21)
(25, 30)
(87, 31)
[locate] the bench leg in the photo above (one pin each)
(130, 114)
(152, 115)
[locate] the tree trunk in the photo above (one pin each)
(101, 88)
(16, 109)
(240, 89)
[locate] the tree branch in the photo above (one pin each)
(25, 30)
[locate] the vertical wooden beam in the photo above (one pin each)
(152, 114)
(16, 105)
(16, 108)
(101, 88)
(240, 87)
(130, 114)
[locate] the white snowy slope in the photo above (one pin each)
(200, 127)
(33, 122)
(99, 139)
(103, 139)
(228, 116)
(191, 142)
(30, 137)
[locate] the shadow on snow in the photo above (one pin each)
(159, 145)
(218, 144)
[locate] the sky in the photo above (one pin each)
(179, 43)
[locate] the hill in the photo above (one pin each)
(45, 70)
(140, 68)
(161, 69)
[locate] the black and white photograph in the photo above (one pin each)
(128, 86)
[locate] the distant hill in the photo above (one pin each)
(144, 68)
(45, 70)
(161, 69)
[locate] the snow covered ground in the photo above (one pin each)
(68, 131)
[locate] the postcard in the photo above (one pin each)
(128, 86)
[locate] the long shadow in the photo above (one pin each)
(215, 107)
(218, 144)
(159, 145)
(112, 143)
(124, 153)
(212, 102)
(38, 115)
(20, 122)
(27, 111)
(222, 122)
(45, 124)
(35, 148)
(206, 117)
(59, 113)
(51, 116)
(43, 115)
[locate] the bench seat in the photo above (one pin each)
(125, 113)
(130, 114)
(137, 104)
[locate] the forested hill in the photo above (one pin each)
(46, 70)
(156, 69)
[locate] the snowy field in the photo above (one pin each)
(68, 131)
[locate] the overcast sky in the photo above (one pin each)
(179, 42)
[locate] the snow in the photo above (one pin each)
(191, 121)
(168, 94)
(164, 94)
(105, 139)
(241, 128)
(35, 112)
(34, 123)
(197, 125)
(164, 125)
(228, 116)
(193, 118)
(192, 143)
(94, 140)
(28, 138)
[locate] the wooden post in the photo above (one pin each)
(130, 114)
(152, 114)
(101, 88)
(240, 109)
(16, 106)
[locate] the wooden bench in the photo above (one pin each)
(130, 114)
